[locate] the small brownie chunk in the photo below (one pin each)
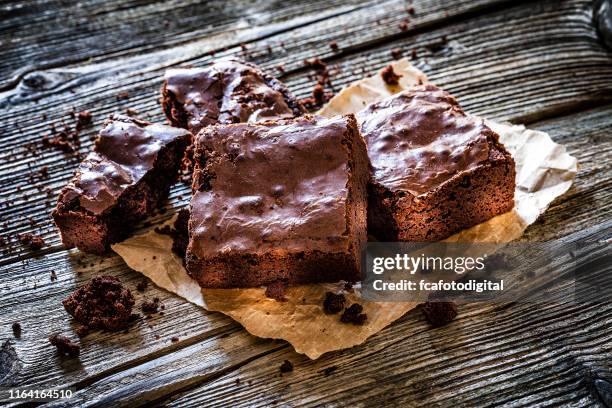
(276, 201)
(123, 180)
(228, 91)
(102, 303)
(436, 170)
(333, 303)
(65, 346)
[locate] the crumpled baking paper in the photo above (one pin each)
(544, 171)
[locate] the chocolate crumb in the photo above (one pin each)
(333, 45)
(439, 314)
(34, 242)
(102, 303)
(83, 119)
(389, 76)
(174, 339)
(53, 276)
(328, 370)
(64, 345)
(333, 303)
(411, 10)
(404, 25)
(82, 330)
(123, 95)
(150, 306)
(353, 315)
(413, 53)
(276, 291)
(16, 329)
(142, 285)
(396, 53)
(318, 93)
(286, 367)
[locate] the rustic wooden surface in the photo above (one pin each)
(539, 63)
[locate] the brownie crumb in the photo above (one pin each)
(327, 371)
(64, 345)
(353, 315)
(180, 238)
(389, 76)
(396, 53)
(318, 93)
(333, 45)
(404, 25)
(123, 95)
(276, 291)
(174, 339)
(16, 330)
(82, 331)
(286, 367)
(34, 242)
(439, 313)
(53, 276)
(411, 10)
(333, 303)
(102, 303)
(83, 119)
(142, 285)
(150, 306)
(413, 53)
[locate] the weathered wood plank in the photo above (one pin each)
(514, 48)
(521, 354)
(45, 34)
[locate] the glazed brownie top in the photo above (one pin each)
(420, 138)
(278, 187)
(125, 150)
(229, 91)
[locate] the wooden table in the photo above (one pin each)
(538, 63)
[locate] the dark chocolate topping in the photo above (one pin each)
(229, 91)
(124, 152)
(420, 138)
(276, 187)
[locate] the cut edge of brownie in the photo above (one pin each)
(175, 112)
(250, 270)
(466, 199)
(96, 232)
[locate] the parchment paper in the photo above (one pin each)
(544, 171)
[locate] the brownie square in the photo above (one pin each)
(278, 201)
(125, 177)
(436, 170)
(228, 91)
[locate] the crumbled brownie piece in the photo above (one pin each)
(174, 339)
(318, 93)
(333, 303)
(333, 45)
(439, 313)
(122, 181)
(142, 285)
(123, 95)
(396, 53)
(276, 291)
(82, 330)
(34, 242)
(316, 63)
(83, 119)
(410, 10)
(16, 329)
(404, 25)
(286, 367)
(389, 76)
(53, 276)
(150, 306)
(413, 53)
(353, 315)
(102, 303)
(64, 345)
(437, 45)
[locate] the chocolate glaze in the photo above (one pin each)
(124, 152)
(229, 91)
(276, 188)
(420, 138)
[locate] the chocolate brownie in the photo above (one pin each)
(127, 175)
(280, 200)
(436, 170)
(228, 91)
